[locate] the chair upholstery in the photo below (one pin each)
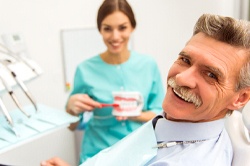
(246, 121)
(239, 135)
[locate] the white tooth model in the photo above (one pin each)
(130, 103)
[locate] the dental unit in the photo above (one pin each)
(19, 82)
(11, 93)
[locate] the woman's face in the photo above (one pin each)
(116, 30)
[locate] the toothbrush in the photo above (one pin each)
(109, 105)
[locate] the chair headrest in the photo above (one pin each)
(246, 121)
(246, 118)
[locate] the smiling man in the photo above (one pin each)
(203, 81)
(209, 79)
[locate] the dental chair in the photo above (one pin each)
(238, 128)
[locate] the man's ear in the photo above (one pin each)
(241, 99)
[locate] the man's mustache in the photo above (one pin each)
(185, 93)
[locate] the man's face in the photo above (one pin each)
(202, 81)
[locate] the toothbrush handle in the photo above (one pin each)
(109, 105)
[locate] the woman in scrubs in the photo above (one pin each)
(116, 69)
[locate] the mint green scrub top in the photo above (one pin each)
(99, 79)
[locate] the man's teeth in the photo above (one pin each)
(187, 99)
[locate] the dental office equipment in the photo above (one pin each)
(25, 90)
(6, 113)
(16, 48)
(15, 43)
(10, 91)
(20, 82)
(13, 129)
(9, 118)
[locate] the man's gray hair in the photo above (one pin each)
(231, 31)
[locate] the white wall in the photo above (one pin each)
(163, 28)
(165, 25)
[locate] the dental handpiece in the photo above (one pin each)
(20, 83)
(23, 59)
(6, 113)
(25, 89)
(13, 96)
(28, 63)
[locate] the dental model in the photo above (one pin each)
(129, 103)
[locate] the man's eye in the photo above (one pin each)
(211, 75)
(185, 60)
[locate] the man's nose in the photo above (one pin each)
(187, 78)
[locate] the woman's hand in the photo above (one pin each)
(143, 117)
(55, 161)
(121, 118)
(132, 118)
(79, 103)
